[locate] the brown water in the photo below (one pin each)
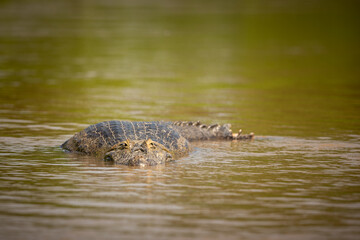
(286, 70)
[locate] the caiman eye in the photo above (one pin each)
(152, 145)
(123, 145)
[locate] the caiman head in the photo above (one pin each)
(138, 153)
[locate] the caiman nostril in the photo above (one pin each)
(108, 158)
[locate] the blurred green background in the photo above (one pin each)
(273, 67)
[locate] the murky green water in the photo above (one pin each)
(286, 70)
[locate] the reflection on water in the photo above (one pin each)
(287, 71)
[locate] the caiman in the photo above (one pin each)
(146, 143)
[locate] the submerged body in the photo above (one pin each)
(145, 143)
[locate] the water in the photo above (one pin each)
(286, 70)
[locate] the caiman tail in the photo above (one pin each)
(194, 131)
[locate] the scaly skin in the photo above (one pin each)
(145, 143)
